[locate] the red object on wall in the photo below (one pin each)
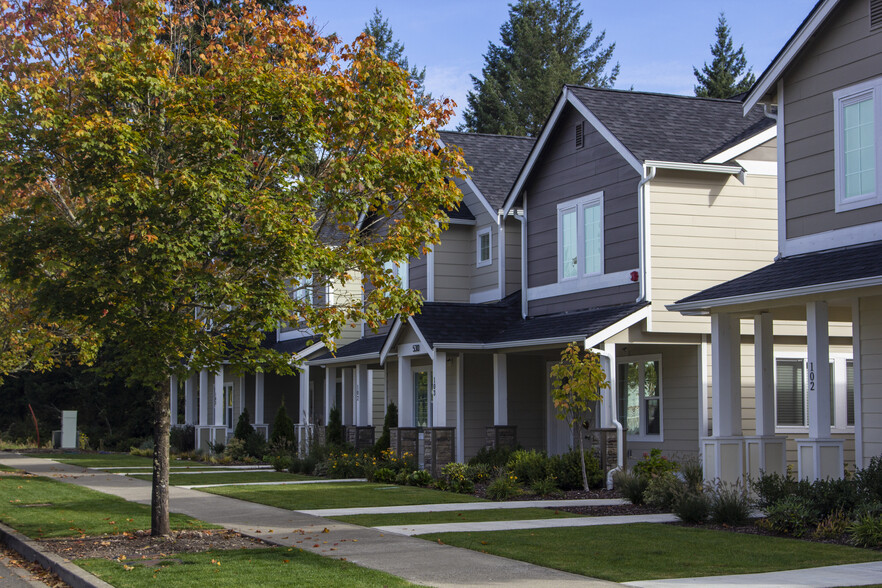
(635, 276)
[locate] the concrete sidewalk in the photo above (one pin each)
(862, 574)
(461, 506)
(415, 560)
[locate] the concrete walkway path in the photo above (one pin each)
(415, 560)
(862, 574)
(461, 506)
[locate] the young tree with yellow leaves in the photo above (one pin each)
(170, 172)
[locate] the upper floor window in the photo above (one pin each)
(400, 271)
(580, 237)
(857, 111)
(484, 247)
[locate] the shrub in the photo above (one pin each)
(793, 515)
(182, 439)
(692, 506)
(391, 420)
(632, 486)
(663, 490)
(730, 504)
(141, 452)
(830, 496)
(384, 476)
(568, 470)
(691, 471)
(866, 531)
(495, 457)
(236, 449)
(455, 471)
(284, 438)
(529, 465)
(280, 463)
(334, 431)
(772, 488)
(545, 487)
(654, 464)
(503, 487)
(346, 465)
(832, 526)
(869, 480)
(243, 426)
(216, 448)
(420, 478)
(478, 473)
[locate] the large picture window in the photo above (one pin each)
(856, 120)
(640, 397)
(580, 237)
(791, 400)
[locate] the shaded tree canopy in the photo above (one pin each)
(544, 45)
(720, 79)
(391, 49)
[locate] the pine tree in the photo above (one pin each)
(392, 50)
(718, 80)
(544, 45)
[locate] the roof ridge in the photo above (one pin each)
(489, 135)
(660, 94)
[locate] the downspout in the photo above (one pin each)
(522, 218)
(614, 418)
(500, 250)
(642, 228)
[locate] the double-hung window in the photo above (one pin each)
(791, 393)
(580, 237)
(857, 123)
(400, 271)
(640, 397)
(484, 246)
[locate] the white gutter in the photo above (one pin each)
(613, 416)
(523, 220)
(347, 359)
(695, 167)
(642, 222)
(500, 251)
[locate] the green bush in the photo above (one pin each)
(420, 478)
(545, 487)
(455, 471)
(503, 487)
(346, 465)
(567, 469)
(631, 485)
(496, 457)
(654, 464)
(730, 504)
(830, 496)
(283, 438)
(384, 476)
(691, 470)
(390, 421)
(478, 472)
(772, 488)
(869, 480)
(663, 490)
(236, 450)
(182, 439)
(866, 531)
(832, 526)
(334, 431)
(692, 506)
(280, 463)
(793, 515)
(528, 465)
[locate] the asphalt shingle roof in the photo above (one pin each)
(664, 127)
(291, 346)
(496, 161)
(363, 346)
(813, 269)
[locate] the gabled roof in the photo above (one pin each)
(788, 53)
(290, 346)
(495, 160)
(826, 271)
(364, 348)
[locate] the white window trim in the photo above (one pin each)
(579, 205)
(396, 271)
(842, 98)
(478, 261)
(642, 437)
(840, 397)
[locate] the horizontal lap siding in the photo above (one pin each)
(564, 173)
(844, 53)
(871, 376)
(590, 299)
(378, 407)
(484, 277)
(417, 275)
(527, 391)
(512, 256)
(454, 257)
(706, 229)
(275, 388)
(477, 400)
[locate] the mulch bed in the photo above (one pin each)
(35, 571)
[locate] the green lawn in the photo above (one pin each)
(227, 478)
(466, 516)
(94, 460)
(279, 566)
(339, 495)
(623, 553)
(40, 507)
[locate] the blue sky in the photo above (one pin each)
(657, 42)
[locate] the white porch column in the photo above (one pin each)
(259, 410)
(500, 389)
(173, 399)
(330, 391)
(362, 402)
(723, 452)
(219, 397)
(439, 389)
(203, 397)
(190, 399)
(370, 399)
(820, 456)
(304, 395)
(764, 452)
(405, 392)
(348, 393)
(460, 410)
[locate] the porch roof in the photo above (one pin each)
(364, 348)
(800, 275)
(291, 346)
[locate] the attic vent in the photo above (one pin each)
(875, 14)
(580, 131)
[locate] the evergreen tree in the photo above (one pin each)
(544, 45)
(391, 49)
(720, 78)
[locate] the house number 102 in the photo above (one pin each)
(811, 375)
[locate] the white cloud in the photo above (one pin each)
(450, 82)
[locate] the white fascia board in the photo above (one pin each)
(771, 295)
(712, 168)
(349, 359)
(472, 186)
(461, 221)
(390, 339)
(619, 326)
(744, 146)
(534, 153)
(300, 355)
(788, 53)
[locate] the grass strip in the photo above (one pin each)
(227, 478)
(627, 553)
(255, 567)
(97, 460)
(41, 508)
(466, 516)
(339, 495)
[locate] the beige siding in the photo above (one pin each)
(766, 152)
(843, 53)
(871, 376)
(487, 276)
(706, 229)
(452, 258)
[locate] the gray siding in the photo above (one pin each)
(417, 275)
(512, 256)
(477, 400)
(871, 376)
(844, 53)
(526, 398)
(583, 300)
(454, 260)
(275, 388)
(564, 173)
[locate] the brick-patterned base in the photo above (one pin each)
(404, 440)
(605, 444)
(362, 438)
(439, 448)
(501, 436)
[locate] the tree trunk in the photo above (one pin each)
(159, 521)
(582, 456)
